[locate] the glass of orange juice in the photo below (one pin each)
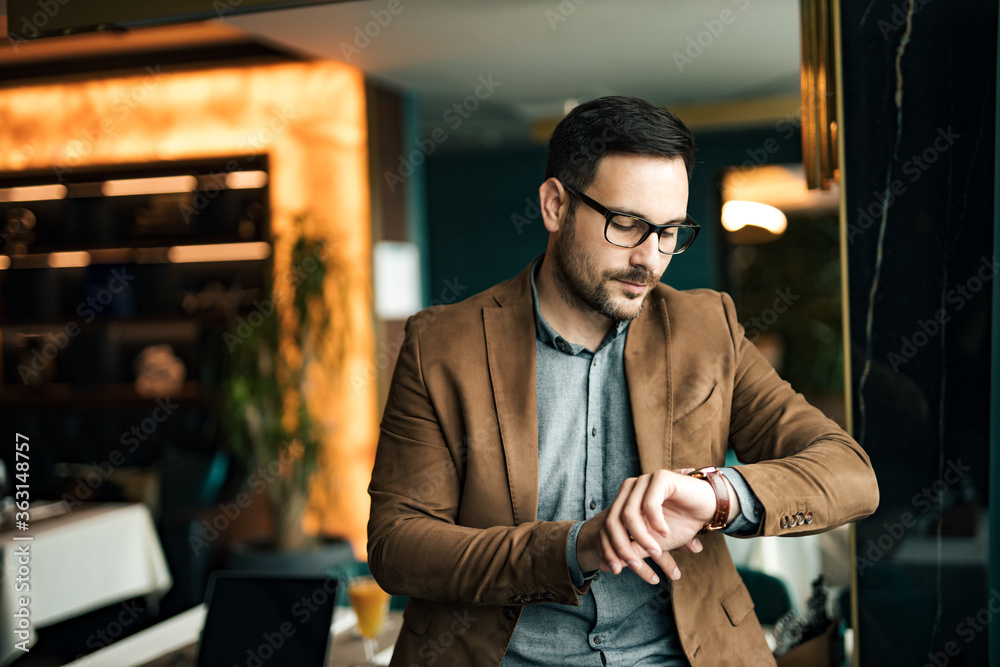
(371, 605)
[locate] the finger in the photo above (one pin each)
(668, 565)
(634, 516)
(694, 546)
(660, 487)
(615, 564)
(686, 471)
(645, 572)
(642, 553)
(618, 536)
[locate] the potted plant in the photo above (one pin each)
(264, 395)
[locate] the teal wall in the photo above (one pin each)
(416, 191)
(471, 198)
(483, 225)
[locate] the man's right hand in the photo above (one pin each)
(652, 515)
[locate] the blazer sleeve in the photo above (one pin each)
(809, 474)
(415, 547)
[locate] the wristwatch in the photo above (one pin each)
(713, 476)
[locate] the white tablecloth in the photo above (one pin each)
(79, 562)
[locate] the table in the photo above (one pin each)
(78, 562)
(174, 642)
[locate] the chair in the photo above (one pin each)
(191, 483)
(769, 594)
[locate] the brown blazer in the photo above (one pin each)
(455, 485)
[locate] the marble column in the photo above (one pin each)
(919, 131)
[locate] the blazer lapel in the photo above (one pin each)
(650, 386)
(510, 349)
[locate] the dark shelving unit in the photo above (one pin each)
(72, 329)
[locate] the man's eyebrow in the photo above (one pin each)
(634, 214)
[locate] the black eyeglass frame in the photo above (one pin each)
(651, 227)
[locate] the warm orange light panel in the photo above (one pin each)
(219, 252)
(149, 186)
(33, 193)
(63, 260)
(244, 180)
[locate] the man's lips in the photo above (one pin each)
(635, 288)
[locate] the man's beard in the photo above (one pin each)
(581, 286)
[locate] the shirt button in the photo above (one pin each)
(593, 431)
(597, 640)
(593, 504)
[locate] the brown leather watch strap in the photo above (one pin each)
(714, 477)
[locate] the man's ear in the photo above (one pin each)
(554, 201)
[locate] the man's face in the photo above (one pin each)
(599, 276)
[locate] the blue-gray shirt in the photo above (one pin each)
(586, 449)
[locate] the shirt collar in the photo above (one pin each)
(546, 334)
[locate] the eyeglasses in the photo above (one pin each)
(629, 231)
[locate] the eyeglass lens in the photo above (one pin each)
(627, 232)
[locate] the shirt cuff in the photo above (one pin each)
(578, 576)
(751, 510)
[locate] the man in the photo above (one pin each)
(532, 490)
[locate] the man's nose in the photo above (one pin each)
(647, 254)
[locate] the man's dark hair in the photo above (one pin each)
(614, 125)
